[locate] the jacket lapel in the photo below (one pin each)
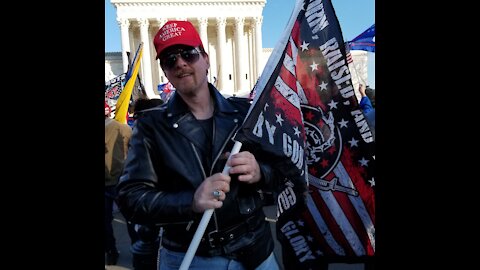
(226, 120)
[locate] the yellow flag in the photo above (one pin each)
(124, 98)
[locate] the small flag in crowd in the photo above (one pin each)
(114, 87)
(365, 41)
(305, 113)
(166, 90)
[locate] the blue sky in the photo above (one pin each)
(355, 16)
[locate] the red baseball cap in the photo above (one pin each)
(176, 33)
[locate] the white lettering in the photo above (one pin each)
(271, 131)
(347, 91)
(171, 30)
(293, 150)
(336, 74)
(362, 126)
(315, 16)
(286, 199)
(338, 70)
(329, 45)
(298, 242)
(258, 128)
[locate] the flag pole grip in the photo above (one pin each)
(205, 219)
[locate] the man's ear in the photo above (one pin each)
(207, 60)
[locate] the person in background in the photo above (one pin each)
(367, 105)
(173, 171)
(145, 239)
(117, 136)
(130, 112)
(371, 95)
(145, 104)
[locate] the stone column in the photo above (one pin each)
(221, 40)
(258, 47)
(239, 56)
(160, 22)
(203, 32)
(124, 24)
(146, 62)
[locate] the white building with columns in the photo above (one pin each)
(231, 32)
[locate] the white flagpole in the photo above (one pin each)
(204, 221)
(266, 73)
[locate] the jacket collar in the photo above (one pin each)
(225, 116)
(177, 107)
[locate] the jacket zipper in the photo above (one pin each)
(213, 165)
(223, 146)
(204, 176)
(215, 161)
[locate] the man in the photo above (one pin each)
(117, 136)
(173, 169)
(367, 105)
(144, 238)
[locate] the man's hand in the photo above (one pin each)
(361, 89)
(246, 166)
(211, 193)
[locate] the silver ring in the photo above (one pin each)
(216, 194)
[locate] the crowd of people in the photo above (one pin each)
(117, 136)
(171, 171)
(144, 238)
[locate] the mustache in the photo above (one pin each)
(182, 72)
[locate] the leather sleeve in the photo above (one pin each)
(140, 197)
(270, 177)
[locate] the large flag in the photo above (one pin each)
(306, 112)
(365, 41)
(124, 100)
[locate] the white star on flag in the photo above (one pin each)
(372, 182)
(332, 104)
(304, 46)
(323, 86)
(363, 162)
(343, 123)
(279, 119)
(297, 131)
(353, 142)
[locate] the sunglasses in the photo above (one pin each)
(190, 56)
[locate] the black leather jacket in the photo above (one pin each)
(163, 170)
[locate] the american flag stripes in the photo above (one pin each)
(349, 54)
